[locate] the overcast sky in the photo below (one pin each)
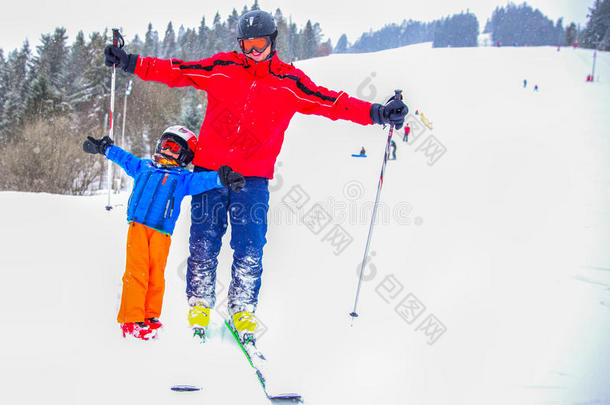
(22, 19)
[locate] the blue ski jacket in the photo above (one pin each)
(158, 191)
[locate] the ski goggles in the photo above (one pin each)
(171, 145)
(258, 44)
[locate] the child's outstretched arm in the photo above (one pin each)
(203, 181)
(105, 146)
(196, 183)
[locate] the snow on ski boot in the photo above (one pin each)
(138, 330)
(153, 323)
(243, 325)
(199, 319)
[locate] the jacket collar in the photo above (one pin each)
(259, 69)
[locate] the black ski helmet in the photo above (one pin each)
(255, 24)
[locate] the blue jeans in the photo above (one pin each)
(210, 212)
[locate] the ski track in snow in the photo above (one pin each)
(504, 240)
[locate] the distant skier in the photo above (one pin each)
(407, 132)
(249, 140)
(363, 151)
(536, 87)
(154, 206)
(393, 150)
(524, 83)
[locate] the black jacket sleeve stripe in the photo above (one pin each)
(209, 68)
(302, 87)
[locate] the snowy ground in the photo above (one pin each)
(489, 283)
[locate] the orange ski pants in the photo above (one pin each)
(144, 281)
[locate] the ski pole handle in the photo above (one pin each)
(117, 38)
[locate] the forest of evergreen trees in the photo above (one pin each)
(597, 31)
(512, 25)
(521, 25)
(457, 31)
(57, 94)
(391, 36)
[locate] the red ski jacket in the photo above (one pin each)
(250, 106)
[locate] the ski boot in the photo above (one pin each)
(199, 319)
(138, 330)
(243, 325)
(153, 323)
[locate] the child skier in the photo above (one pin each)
(154, 206)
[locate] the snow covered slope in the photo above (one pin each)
(489, 271)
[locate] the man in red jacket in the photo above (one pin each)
(252, 97)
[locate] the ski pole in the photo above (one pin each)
(354, 313)
(117, 40)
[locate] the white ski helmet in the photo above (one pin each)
(178, 139)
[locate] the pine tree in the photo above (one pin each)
(135, 46)
(342, 44)
(597, 32)
(181, 32)
(231, 39)
(255, 6)
(75, 66)
(309, 44)
(168, 47)
(203, 38)
(151, 42)
(16, 90)
(49, 64)
(294, 42)
(571, 34)
(188, 45)
(3, 92)
(91, 97)
(41, 99)
(217, 35)
(282, 39)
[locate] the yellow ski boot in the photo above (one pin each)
(199, 319)
(245, 324)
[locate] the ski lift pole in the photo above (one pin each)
(594, 61)
(117, 40)
(127, 92)
(354, 313)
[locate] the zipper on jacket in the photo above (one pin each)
(169, 208)
(243, 112)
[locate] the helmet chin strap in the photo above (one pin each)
(164, 160)
(264, 60)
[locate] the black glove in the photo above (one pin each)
(229, 178)
(394, 113)
(93, 145)
(117, 56)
